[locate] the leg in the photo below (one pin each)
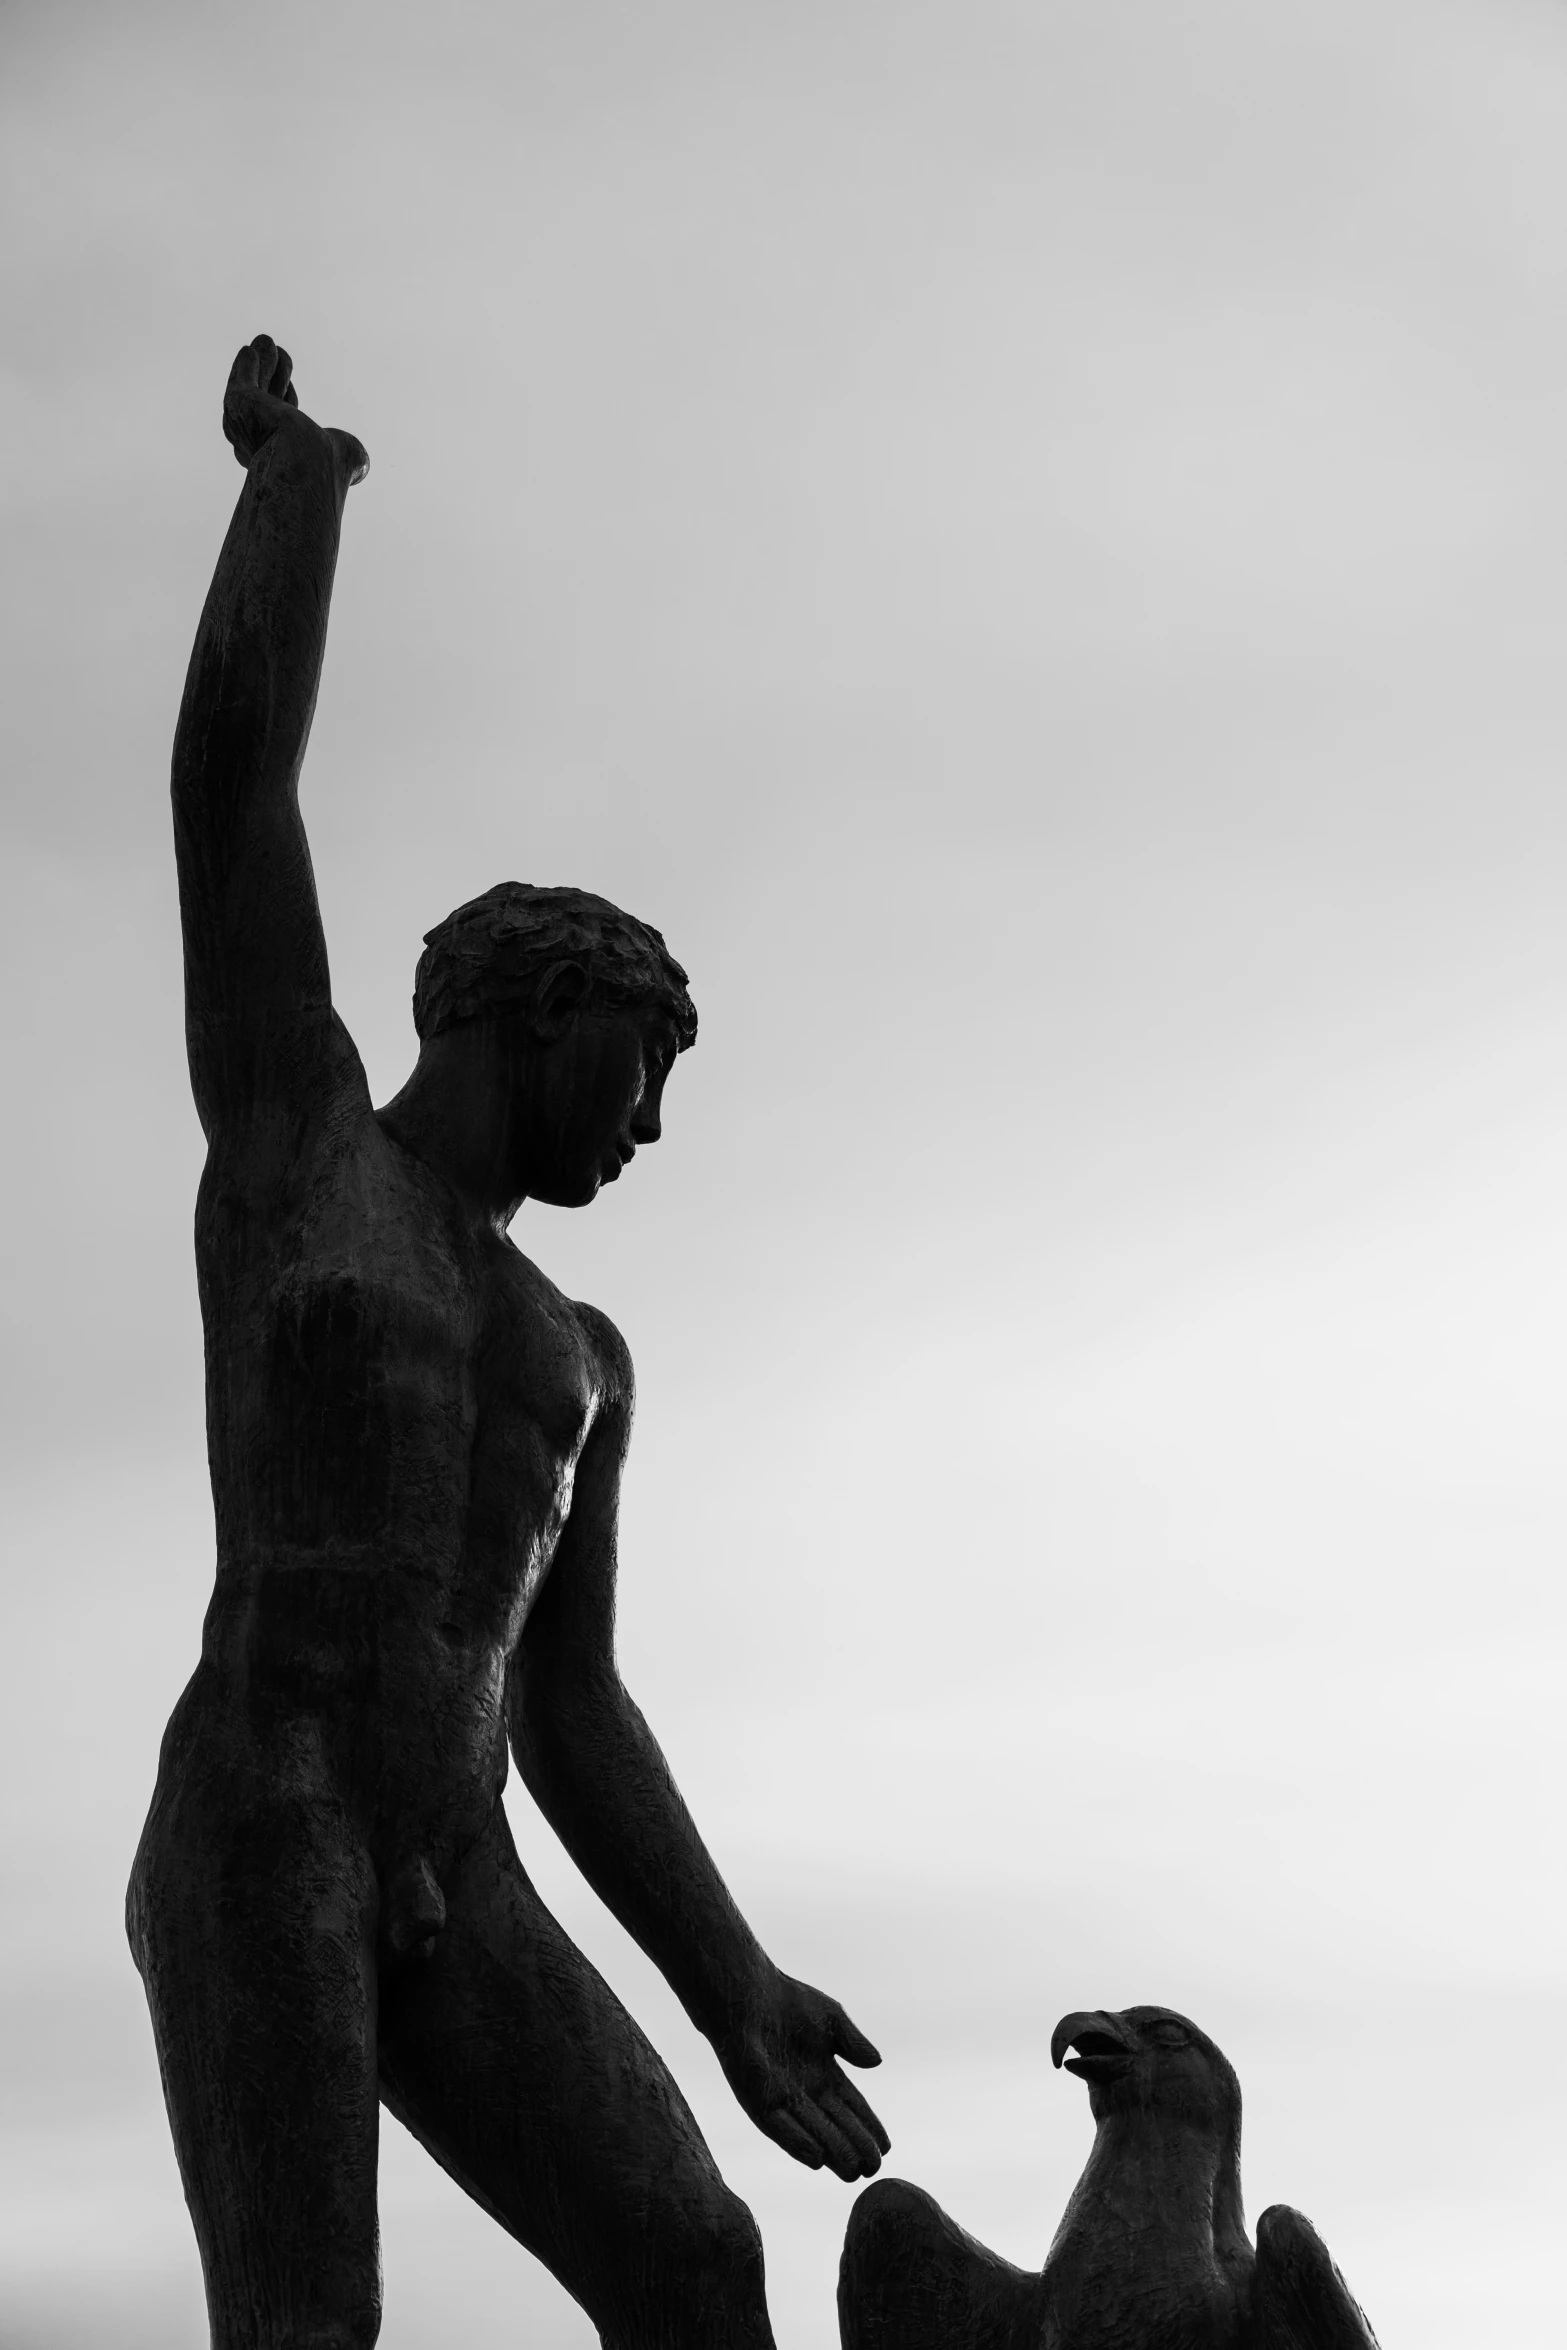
(514, 2063)
(251, 1912)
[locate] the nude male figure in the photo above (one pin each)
(416, 1446)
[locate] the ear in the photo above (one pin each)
(559, 997)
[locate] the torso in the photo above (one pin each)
(397, 1402)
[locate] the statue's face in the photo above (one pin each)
(1146, 2058)
(594, 1096)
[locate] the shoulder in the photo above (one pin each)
(611, 1355)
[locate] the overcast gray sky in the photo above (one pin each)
(1030, 541)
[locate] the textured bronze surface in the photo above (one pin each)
(1152, 2253)
(416, 1446)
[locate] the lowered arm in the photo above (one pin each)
(597, 1773)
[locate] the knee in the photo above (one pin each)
(722, 2244)
(133, 1925)
(136, 1907)
(692, 2277)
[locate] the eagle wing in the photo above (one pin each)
(912, 2279)
(1299, 2300)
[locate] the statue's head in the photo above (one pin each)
(1148, 2060)
(1167, 2105)
(581, 1008)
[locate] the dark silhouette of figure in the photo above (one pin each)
(1152, 2253)
(416, 1445)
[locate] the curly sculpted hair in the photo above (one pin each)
(494, 950)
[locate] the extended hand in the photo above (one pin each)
(260, 396)
(779, 2061)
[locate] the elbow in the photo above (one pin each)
(560, 1715)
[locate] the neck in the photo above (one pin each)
(1164, 2176)
(456, 1114)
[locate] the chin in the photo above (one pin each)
(577, 1182)
(577, 1190)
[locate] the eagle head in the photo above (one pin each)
(1149, 2060)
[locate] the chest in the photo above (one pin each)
(380, 1372)
(1138, 2288)
(537, 1390)
(385, 1295)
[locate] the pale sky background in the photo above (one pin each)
(1032, 542)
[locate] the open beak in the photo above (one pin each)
(1104, 2048)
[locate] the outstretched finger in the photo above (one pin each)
(849, 2105)
(786, 2132)
(868, 2151)
(851, 2043)
(838, 2149)
(265, 350)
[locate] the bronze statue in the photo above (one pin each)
(416, 1445)
(1152, 2253)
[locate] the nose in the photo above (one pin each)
(646, 1120)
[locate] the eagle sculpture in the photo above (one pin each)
(1152, 2253)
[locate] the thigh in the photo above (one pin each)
(513, 2062)
(251, 1915)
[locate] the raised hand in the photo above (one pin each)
(260, 396)
(779, 2059)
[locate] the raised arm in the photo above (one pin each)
(596, 1772)
(259, 1025)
